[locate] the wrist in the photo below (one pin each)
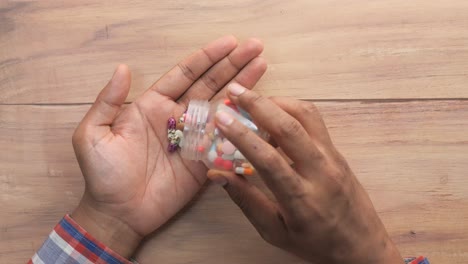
(109, 230)
(383, 251)
(389, 254)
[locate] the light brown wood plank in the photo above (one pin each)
(64, 51)
(410, 156)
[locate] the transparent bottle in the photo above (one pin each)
(203, 141)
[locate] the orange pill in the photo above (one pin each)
(248, 171)
(244, 171)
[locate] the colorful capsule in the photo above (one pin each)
(244, 171)
(171, 123)
(172, 147)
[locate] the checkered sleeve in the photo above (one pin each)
(419, 260)
(70, 243)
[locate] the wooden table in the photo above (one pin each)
(391, 78)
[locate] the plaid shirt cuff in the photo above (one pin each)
(420, 260)
(70, 243)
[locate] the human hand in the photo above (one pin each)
(321, 213)
(133, 185)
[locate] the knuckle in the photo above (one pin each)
(242, 132)
(210, 82)
(274, 98)
(288, 128)
(337, 181)
(253, 101)
(187, 71)
(272, 237)
(308, 108)
(315, 153)
(271, 158)
(240, 199)
(296, 191)
(297, 225)
(233, 64)
(275, 236)
(336, 173)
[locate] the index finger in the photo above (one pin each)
(282, 180)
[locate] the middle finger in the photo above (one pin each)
(274, 170)
(287, 131)
(222, 72)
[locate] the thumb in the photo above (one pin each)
(110, 99)
(264, 215)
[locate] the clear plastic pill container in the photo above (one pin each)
(203, 141)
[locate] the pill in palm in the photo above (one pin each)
(179, 133)
(171, 123)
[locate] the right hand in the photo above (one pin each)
(321, 212)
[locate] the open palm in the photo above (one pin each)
(122, 149)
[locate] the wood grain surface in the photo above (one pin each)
(62, 51)
(390, 77)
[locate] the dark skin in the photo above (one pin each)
(133, 185)
(321, 212)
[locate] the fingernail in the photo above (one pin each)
(224, 118)
(236, 89)
(220, 180)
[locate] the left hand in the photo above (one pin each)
(133, 185)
